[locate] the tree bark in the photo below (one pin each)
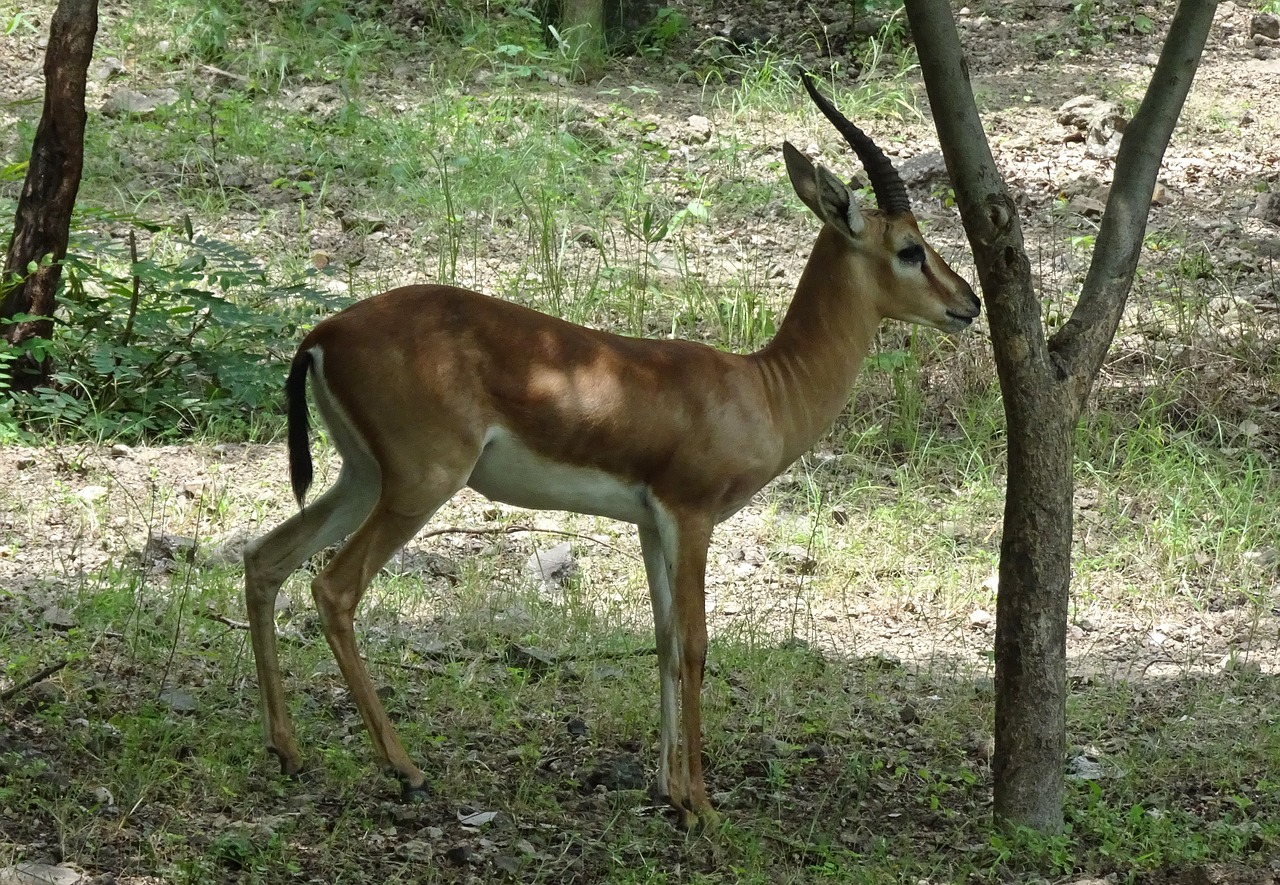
(582, 28)
(1044, 384)
(43, 221)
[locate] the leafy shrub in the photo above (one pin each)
(191, 338)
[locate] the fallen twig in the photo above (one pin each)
(14, 691)
(224, 620)
(517, 529)
(230, 75)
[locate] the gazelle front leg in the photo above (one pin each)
(668, 644)
(675, 555)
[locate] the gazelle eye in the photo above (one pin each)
(913, 254)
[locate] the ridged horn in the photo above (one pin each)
(890, 192)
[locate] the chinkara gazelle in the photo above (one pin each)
(428, 389)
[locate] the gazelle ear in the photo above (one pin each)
(827, 197)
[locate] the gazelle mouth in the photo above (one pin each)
(963, 319)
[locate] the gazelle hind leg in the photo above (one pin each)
(268, 562)
(402, 510)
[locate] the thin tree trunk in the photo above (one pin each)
(582, 27)
(1045, 384)
(1031, 613)
(43, 220)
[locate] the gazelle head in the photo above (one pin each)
(908, 281)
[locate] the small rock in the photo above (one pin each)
(1085, 769)
(179, 700)
(1267, 208)
(104, 69)
(816, 752)
(462, 855)
(1264, 557)
(25, 462)
(442, 567)
(623, 773)
(60, 618)
(924, 170)
(799, 560)
(1078, 112)
(1100, 122)
(230, 549)
(590, 134)
(508, 865)
(120, 450)
(89, 494)
(908, 714)
(170, 548)
(126, 101)
(529, 658)
(1265, 24)
(981, 618)
(554, 565)
(41, 696)
(418, 850)
(576, 727)
(41, 874)
(1233, 663)
(103, 796)
(699, 129)
(1086, 207)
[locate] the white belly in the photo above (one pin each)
(510, 472)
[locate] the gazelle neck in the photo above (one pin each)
(809, 368)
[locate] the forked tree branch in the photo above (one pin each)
(1082, 342)
(1076, 351)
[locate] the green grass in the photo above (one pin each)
(808, 750)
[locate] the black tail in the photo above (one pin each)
(299, 436)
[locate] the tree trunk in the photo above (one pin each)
(1031, 610)
(582, 28)
(1045, 384)
(43, 221)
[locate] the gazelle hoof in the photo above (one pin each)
(290, 766)
(698, 821)
(412, 795)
